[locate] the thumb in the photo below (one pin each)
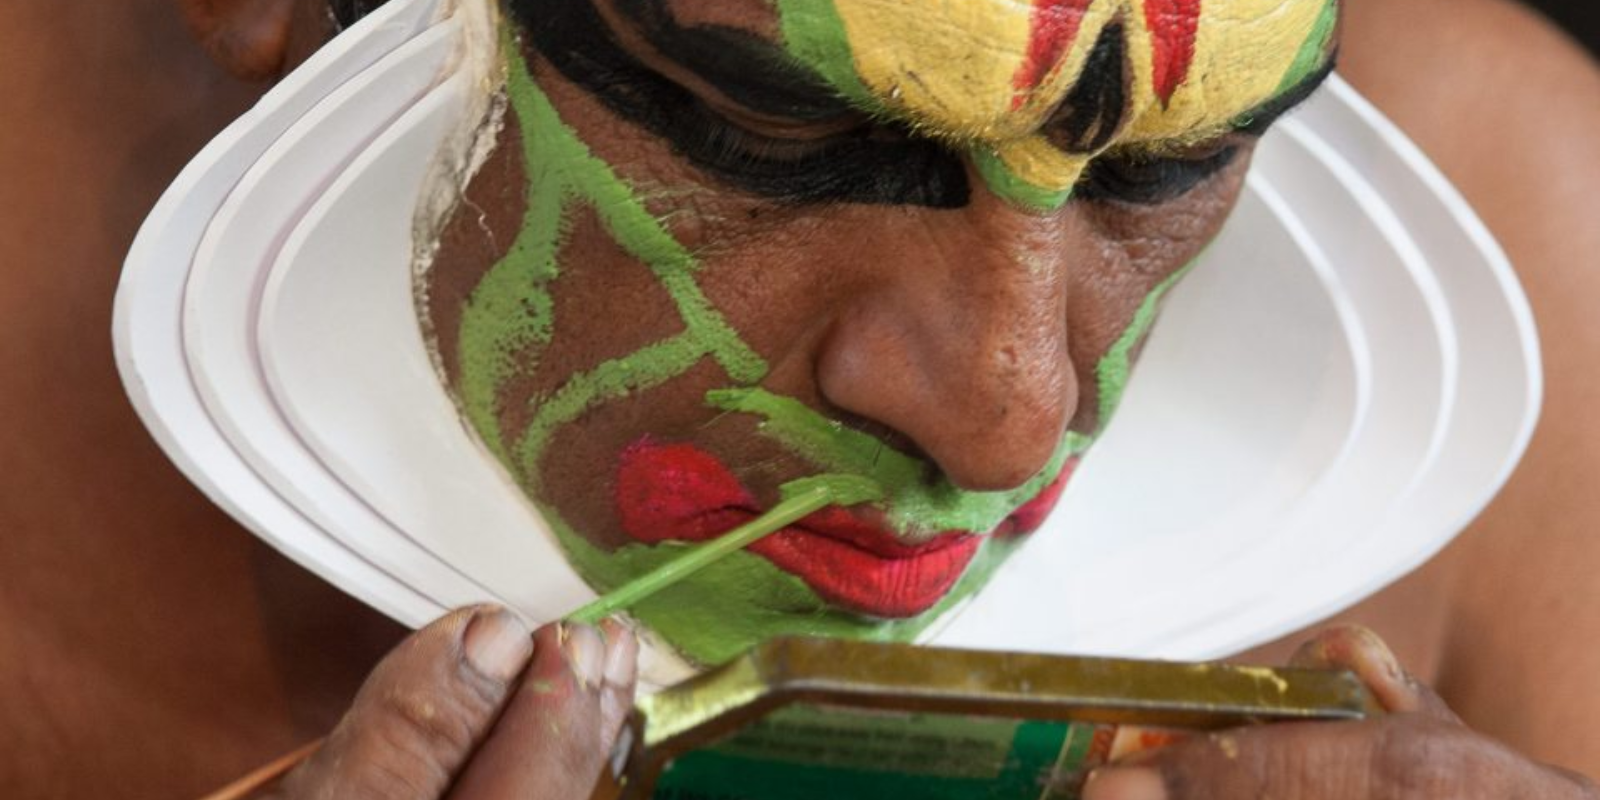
(422, 712)
(558, 729)
(1363, 652)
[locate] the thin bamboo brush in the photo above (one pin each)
(631, 593)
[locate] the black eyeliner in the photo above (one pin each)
(1256, 121)
(749, 70)
(1094, 111)
(577, 43)
(1152, 180)
(1145, 180)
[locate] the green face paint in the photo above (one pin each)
(725, 609)
(1116, 366)
(815, 34)
(917, 500)
(510, 312)
(1314, 52)
(1013, 189)
(509, 320)
(719, 613)
(1034, 94)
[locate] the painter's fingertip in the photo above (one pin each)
(585, 651)
(1124, 783)
(496, 644)
(622, 654)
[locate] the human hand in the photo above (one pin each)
(1420, 749)
(476, 706)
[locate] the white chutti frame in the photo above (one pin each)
(1310, 419)
(146, 324)
(226, 285)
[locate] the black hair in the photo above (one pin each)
(348, 11)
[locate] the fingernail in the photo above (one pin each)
(1312, 654)
(586, 654)
(1380, 652)
(1124, 783)
(497, 644)
(622, 653)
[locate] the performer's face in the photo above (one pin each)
(729, 248)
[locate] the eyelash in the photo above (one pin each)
(1150, 180)
(850, 163)
(755, 148)
(1126, 178)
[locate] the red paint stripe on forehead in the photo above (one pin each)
(1054, 25)
(1173, 25)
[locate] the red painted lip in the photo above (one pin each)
(678, 492)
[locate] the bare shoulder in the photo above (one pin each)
(1503, 101)
(1509, 109)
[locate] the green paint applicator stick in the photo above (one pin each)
(782, 515)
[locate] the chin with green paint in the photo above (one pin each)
(725, 252)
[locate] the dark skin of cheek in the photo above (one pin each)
(799, 282)
(478, 234)
(1143, 245)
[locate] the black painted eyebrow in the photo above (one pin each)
(1256, 121)
(1096, 106)
(852, 167)
(748, 69)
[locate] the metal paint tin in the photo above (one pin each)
(803, 718)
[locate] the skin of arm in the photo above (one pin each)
(1466, 78)
(1499, 623)
(1513, 127)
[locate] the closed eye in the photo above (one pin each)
(848, 167)
(860, 162)
(748, 140)
(1144, 178)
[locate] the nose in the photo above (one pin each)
(958, 339)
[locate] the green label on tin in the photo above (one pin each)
(805, 752)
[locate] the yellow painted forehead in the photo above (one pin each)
(996, 72)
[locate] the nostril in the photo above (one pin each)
(890, 437)
(1002, 476)
(973, 381)
(991, 427)
(972, 460)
